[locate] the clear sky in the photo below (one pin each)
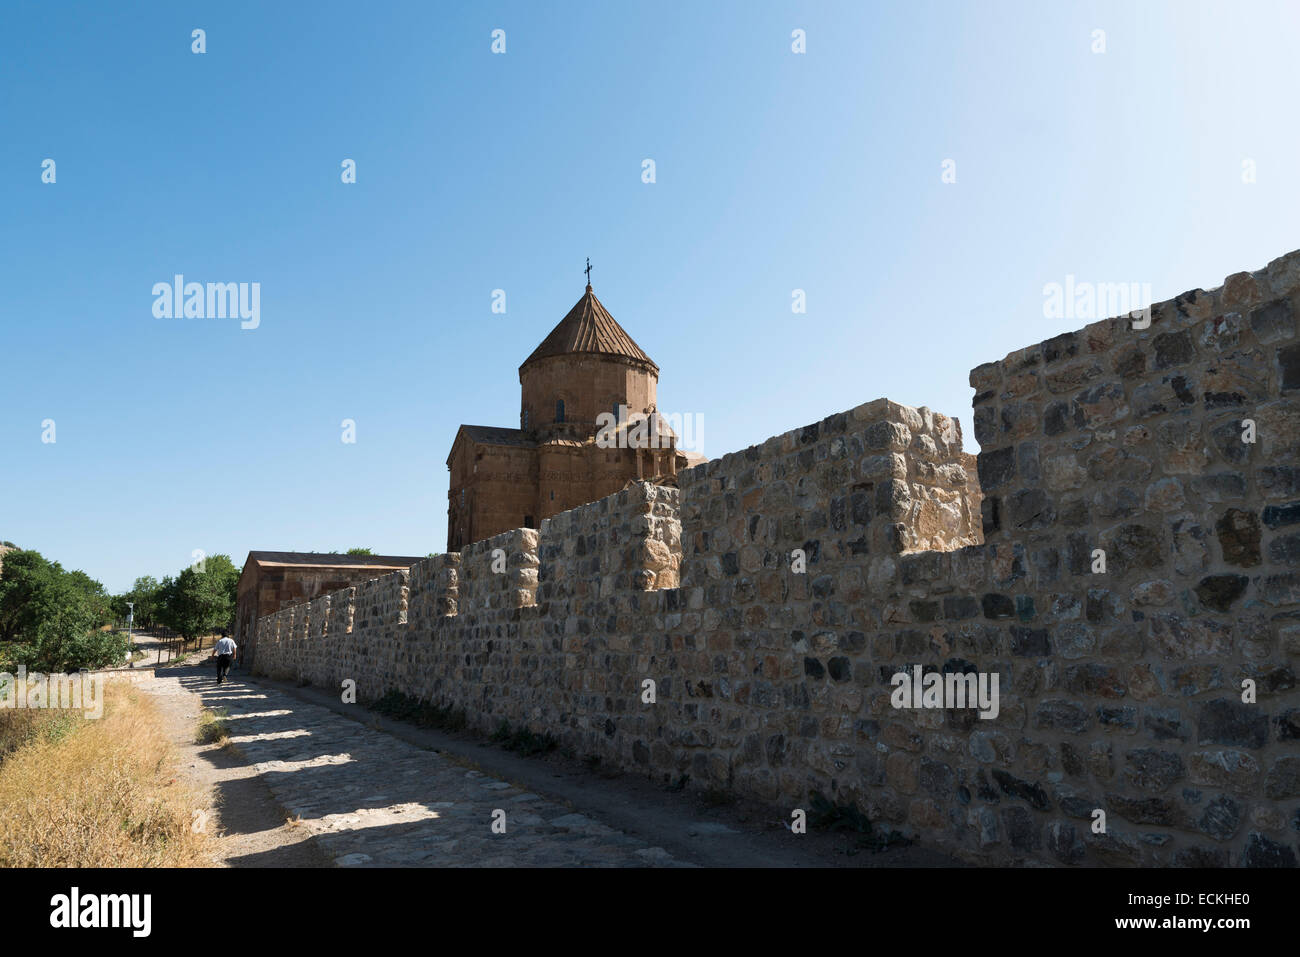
(476, 171)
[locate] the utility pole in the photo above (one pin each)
(130, 643)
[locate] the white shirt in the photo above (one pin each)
(224, 646)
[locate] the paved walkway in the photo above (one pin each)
(372, 800)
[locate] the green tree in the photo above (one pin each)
(49, 616)
(145, 593)
(63, 643)
(359, 551)
(200, 600)
(35, 590)
(98, 602)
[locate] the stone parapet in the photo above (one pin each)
(1126, 565)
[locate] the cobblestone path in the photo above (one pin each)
(371, 800)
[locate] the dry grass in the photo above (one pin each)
(21, 727)
(76, 792)
(213, 728)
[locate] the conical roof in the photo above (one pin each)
(589, 328)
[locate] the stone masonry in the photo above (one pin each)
(1127, 563)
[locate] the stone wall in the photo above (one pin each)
(274, 580)
(1125, 562)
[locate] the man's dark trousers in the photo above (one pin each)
(223, 665)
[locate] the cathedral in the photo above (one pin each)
(587, 396)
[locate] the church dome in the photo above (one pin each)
(589, 328)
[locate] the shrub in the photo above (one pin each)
(61, 645)
(213, 728)
(404, 707)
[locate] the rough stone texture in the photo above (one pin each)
(274, 580)
(1120, 689)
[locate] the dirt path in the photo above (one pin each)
(150, 645)
(366, 798)
(367, 791)
(253, 828)
(156, 653)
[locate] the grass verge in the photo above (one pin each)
(77, 792)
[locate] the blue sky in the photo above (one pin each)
(774, 172)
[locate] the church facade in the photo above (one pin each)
(588, 425)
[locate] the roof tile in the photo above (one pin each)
(589, 328)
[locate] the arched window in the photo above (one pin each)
(525, 420)
(559, 410)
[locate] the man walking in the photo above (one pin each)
(224, 649)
